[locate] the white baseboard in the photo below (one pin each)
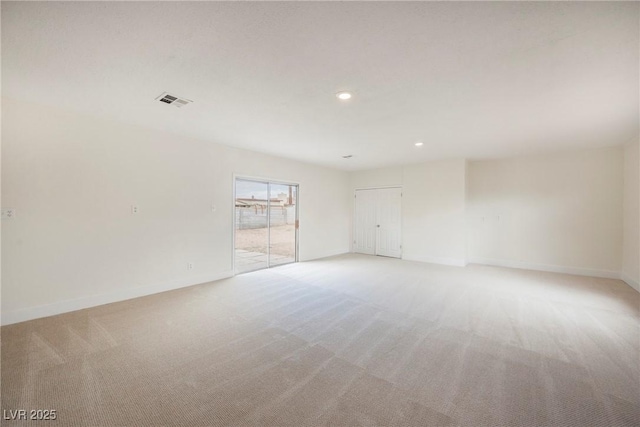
(629, 281)
(9, 317)
(456, 262)
(606, 274)
(327, 254)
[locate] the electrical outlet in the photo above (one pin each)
(8, 213)
(134, 209)
(189, 266)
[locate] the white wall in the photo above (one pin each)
(559, 212)
(433, 212)
(631, 248)
(433, 206)
(387, 177)
(75, 243)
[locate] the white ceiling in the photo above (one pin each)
(474, 80)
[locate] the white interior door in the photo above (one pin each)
(389, 231)
(377, 226)
(365, 222)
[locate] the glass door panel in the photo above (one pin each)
(251, 226)
(282, 223)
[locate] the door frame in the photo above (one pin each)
(263, 180)
(353, 216)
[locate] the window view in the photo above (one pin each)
(265, 225)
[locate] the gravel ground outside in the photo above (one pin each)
(283, 240)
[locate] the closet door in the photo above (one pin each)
(377, 222)
(365, 225)
(389, 225)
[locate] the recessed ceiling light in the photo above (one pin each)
(343, 96)
(419, 144)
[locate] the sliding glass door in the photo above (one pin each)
(266, 224)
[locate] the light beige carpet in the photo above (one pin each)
(350, 340)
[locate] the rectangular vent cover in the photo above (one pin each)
(173, 100)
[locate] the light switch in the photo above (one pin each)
(8, 213)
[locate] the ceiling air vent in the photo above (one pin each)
(173, 100)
